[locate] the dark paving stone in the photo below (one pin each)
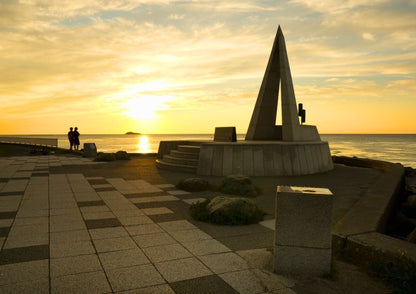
(166, 217)
(41, 169)
(21, 178)
(102, 223)
(98, 182)
(4, 231)
(90, 203)
(40, 175)
(4, 180)
(104, 189)
(137, 195)
(249, 241)
(8, 214)
(12, 193)
(203, 285)
(22, 254)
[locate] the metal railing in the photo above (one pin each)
(30, 141)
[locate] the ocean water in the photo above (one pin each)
(389, 147)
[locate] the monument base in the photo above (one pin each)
(264, 158)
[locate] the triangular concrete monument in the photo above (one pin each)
(263, 121)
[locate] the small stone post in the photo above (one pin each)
(303, 231)
(90, 150)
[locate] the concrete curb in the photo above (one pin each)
(358, 236)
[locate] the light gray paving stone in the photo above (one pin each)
(74, 265)
(204, 247)
(159, 289)
(24, 271)
(107, 233)
(154, 199)
(245, 282)
(71, 249)
(178, 192)
(142, 186)
(92, 282)
(69, 236)
(40, 286)
(166, 252)
(224, 262)
(156, 210)
(150, 240)
(114, 244)
(69, 226)
(179, 225)
(182, 269)
(32, 212)
(123, 258)
(134, 277)
(25, 221)
(144, 229)
(87, 196)
(6, 222)
(22, 240)
(270, 224)
(194, 200)
(98, 215)
(134, 220)
(189, 235)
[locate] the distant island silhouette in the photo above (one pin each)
(133, 133)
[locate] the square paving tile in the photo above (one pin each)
(123, 258)
(134, 220)
(166, 252)
(153, 240)
(204, 247)
(245, 282)
(114, 244)
(24, 271)
(71, 249)
(156, 210)
(182, 269)
(179, 225)
(270, 223)
(203, 285)
(144, 229)
(224, 262)
(8, 214)
(189, 235)
(39, 286)
(134, 277)
(23, 254)
(102, 223)
(92, 282)
(74, 265)
(25, 221)
(69, 236)
(107, 233)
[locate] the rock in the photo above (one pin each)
(233, 211)
(193, 185)
(412, 236)
(238, 185)
(411, 188)
(122, 155)
(105, 157)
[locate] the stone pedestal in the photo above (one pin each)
(90, 150)
(303, 231)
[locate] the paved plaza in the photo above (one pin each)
(63, 231)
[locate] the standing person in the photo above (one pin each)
(76, 139)
(71, 138)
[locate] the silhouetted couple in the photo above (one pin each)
(73, 137)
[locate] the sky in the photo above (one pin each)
(165, 66)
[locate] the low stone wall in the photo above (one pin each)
(30, 141)
(264, 158)
(358, 236)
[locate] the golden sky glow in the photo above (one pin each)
(164, 66)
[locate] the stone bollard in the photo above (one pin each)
(303, 231)
(90, 150)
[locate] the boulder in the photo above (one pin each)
(233, 211)
(193, 185)
(238, 185)
(122, 155)
(105, 157)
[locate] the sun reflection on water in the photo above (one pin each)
(143, 145)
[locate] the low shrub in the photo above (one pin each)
(238, 185)
(105, 157)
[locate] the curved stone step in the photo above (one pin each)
(175, 167)
(180, 160)
(189, 148)
(181, 154)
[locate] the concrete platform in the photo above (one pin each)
(71, 225)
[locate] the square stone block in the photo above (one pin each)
(303, 217)
(302, 260)
(90, 150)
